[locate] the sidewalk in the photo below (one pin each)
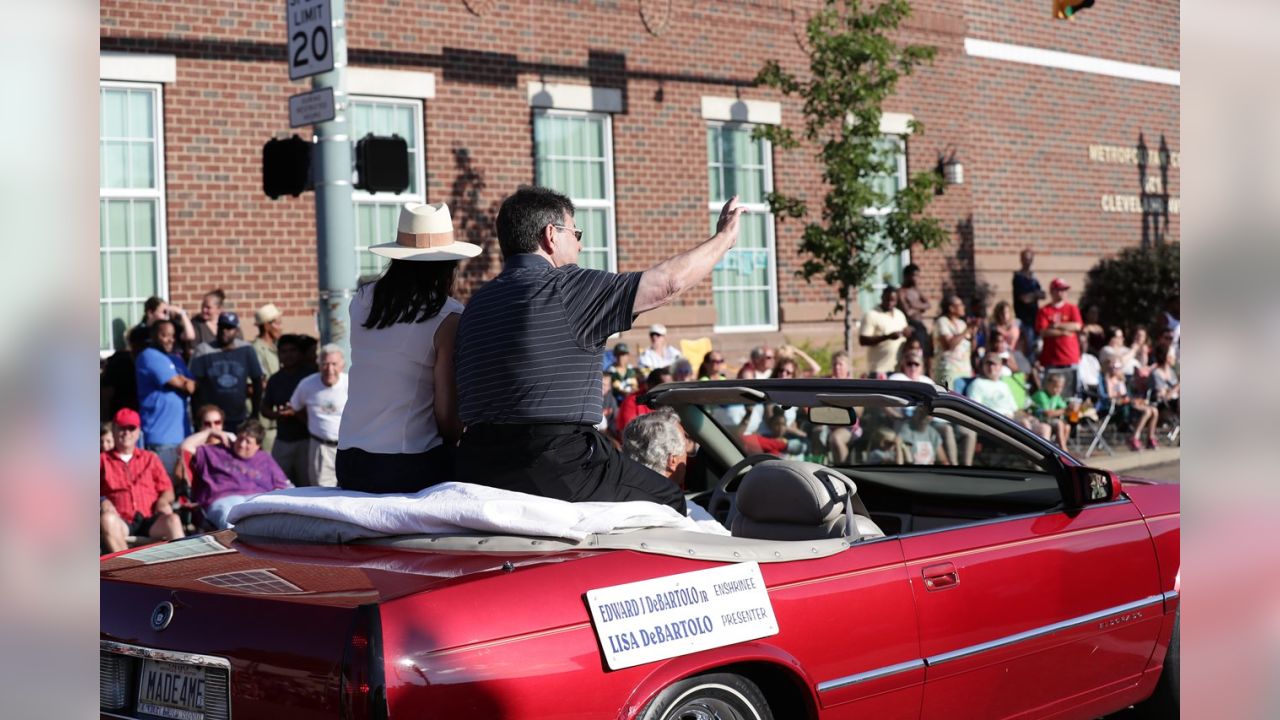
(1126, 460)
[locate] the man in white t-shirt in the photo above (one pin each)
(659, 354)
(884, 329)
(323, 395)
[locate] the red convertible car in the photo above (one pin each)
(897, 551)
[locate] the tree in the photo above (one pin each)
(853, 68)
(1131, 289)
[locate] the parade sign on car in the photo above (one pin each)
(681, 614)
(309, 37)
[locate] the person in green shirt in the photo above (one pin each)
(1052, 407)
(622, 376)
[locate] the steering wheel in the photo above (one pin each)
(723, 505)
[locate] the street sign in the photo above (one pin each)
(309, 37)
(312, 107)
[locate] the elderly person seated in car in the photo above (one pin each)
(658, 441)
(990, 390)
(230, 472)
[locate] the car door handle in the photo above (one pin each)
(940, 577)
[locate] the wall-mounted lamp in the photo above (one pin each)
(950, 169)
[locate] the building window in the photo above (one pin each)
(378, 213)
(131, 231)
(744, 282)
(889, 269)
(574, 155)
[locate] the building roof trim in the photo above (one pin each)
(1070, 61)
(728, 109)
(557, 96)
(137, 67)
(391, 83)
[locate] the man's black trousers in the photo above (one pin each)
(567, 462)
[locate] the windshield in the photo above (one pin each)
(875, 433)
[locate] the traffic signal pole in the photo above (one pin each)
(335, 214)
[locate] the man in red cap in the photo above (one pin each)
(135, 493)
(1058, 322)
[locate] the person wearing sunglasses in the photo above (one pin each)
(530, 424)
(712, 367)
(912, 368)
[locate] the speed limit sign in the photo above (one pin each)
(310, 37)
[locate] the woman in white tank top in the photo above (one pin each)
(400, 424)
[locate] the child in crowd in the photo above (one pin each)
(106, 441)
(885, 448)
(624, 379)
(1051, 407)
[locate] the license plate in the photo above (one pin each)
(169, 690)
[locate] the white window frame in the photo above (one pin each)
(905, 257)
(419, 166)
(609, 204)
(157, 193)
(766, 152)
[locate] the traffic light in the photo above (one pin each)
(1067, 9)
(286, 167)
(382, 164)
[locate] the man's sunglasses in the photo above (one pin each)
(577, 232)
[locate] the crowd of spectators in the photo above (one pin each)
(196, 419)
(209, 419)
(1037, 360)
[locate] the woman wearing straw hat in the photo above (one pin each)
(400, 423)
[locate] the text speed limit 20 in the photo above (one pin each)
(310, 37)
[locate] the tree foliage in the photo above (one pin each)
(854, 66)
(1130, 289)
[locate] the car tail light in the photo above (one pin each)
(363, 692)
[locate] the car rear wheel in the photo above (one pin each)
(717, 696)
(1163, 703)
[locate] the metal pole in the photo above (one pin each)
(335, 215)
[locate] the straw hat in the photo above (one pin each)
(425, 232)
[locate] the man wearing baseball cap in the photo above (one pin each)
(270, 322)
(659, 354)
(135, 493)
(227, 372)
(1058, 322)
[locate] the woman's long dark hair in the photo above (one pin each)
(410, 292)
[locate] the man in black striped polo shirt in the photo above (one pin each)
(529, 349)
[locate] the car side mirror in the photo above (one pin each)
(1090, 486)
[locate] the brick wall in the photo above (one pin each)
(1023, 132)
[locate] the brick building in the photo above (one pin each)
(641, 111)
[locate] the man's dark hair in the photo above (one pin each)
(307, 346)
(410, 292)
(139, 336)
(657, 376)
(524, 215)
(253, 429)
(912, 268)
(152, 303)
(290, 340)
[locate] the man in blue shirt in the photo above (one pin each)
(228, 373)
(164, 386)
(529, 353)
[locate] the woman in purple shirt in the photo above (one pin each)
(226, 474)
